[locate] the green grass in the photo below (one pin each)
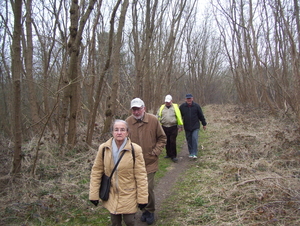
(187, 195)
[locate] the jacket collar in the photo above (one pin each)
(188, 104)
(108, 144)
(145, 119)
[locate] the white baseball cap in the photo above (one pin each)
(137, 102)
(168, 98)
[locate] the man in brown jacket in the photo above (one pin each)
(146, 131)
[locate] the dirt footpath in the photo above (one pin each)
(163, 188)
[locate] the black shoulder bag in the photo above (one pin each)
(105, 181)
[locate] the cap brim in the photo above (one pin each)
(136, 106)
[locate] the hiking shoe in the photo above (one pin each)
(191, 156)
(195, 156)
(144, 216)
(175, 159)
(150, 218)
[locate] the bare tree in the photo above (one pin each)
(76, 29)
(93, 113)
(16, 75)
(28, 57)
(6, 80)
(173, 32)
(90, 80)
(262, 46)
(112, 105)
(297, 56)
(142, 50)
(157, 36)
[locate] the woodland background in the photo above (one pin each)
(68, 68)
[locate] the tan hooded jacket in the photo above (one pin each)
(129, 186)
(150, 136)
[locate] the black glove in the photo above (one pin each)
(95, 202)
(142, 206)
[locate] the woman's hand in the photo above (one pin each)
(95, 202)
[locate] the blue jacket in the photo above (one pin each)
(192, 115)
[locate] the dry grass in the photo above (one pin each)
(57, 193)
(249, 173)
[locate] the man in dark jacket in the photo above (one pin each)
(192, 114)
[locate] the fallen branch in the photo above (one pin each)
(255, 180)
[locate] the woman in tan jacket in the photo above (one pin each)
(129, 186)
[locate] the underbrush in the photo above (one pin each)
(248, 173)
(58, 193)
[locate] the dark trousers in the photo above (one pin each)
(171, 133)
(151, 198)
(116, 219)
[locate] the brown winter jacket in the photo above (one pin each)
(129, 185)
(150, 136)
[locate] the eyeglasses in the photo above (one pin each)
(122, 130)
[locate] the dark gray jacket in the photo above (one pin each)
(192, 115)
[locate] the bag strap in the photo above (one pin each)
(117, 164)
(133, 156)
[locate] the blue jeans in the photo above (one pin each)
(192, 140)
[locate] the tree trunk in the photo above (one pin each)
(92, 61)
(297, 56)
(143, 86)
(28, 52)
(73, 75)
(112, 102)
(92, 118)
(16, 74)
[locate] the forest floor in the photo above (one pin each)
(247, 173)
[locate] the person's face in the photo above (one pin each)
(189, 100)
(168, 103)
(120, 131)
(138, 113)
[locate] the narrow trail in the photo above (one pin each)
(164, 186)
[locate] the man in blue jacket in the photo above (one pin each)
(192, 114)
